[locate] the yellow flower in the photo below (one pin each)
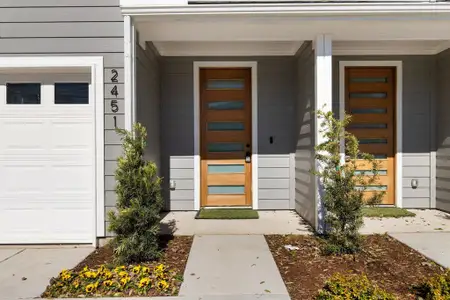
(137, 269)
(145, 270)
(90, 274)
(76, 284)
(163, 285)
(144, 282)
(107, 275)
(64, 271)
(85, 269)
(108, 283)
(91, 287)
(123, 274)
(118, 269)
(160, 268)
(125, 280)
(66, 276)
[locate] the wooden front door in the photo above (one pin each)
(226, 135)
(370, 99)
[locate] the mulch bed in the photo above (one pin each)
(175, 251)
(392, 265)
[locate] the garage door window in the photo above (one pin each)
(23, 93)
(71, 93)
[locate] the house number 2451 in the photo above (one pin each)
(114, 92)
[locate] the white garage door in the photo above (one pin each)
(47, 158)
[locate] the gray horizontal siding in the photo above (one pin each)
(66, 14)
(443, 133)
(274, 181)
(276, 119)
(419, 96)
(75, 28)
(305, 202)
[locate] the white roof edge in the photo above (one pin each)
(139, 7)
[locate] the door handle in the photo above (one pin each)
(248, 157)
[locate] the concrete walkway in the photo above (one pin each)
(232, 267)
(426, 220)
(434, 245)
(26, 272)
(269, 222)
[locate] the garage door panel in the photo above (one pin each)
(54, 226)
(22, 135)
(47, 170)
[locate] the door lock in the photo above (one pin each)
(248, 157)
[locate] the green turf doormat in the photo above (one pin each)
(227, 214)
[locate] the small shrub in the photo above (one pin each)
(344, 189)
(139, 202)
(352, 287)
(435, 288)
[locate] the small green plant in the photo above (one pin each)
(352, 287)
(345, 184)
(137, 222)
(435, 288)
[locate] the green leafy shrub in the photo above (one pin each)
(436, 287)
(344, 189)
(137, 222)
(352, 287)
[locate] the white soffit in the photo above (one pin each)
(241, 48)
(389, 47)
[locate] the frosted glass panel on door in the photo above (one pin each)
(214, 169)
(367, 125)
(226, 105)
(225, 126)
(368, 95)
(372, 141)
(369, 79)
(226, 189)
(370, 172)
(225, 84)
(368, 111)
(372, 188)
(225, 147)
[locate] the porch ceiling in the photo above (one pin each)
(287, 29)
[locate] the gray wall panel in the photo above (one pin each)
(305, 201)
(61, 3)
(276, 103)
(443, 133)
(419, 96)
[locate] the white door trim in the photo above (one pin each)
(399, 113)
(94, 65)
(253, 65)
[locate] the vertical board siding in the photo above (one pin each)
(443, 133)
(305, 203)
(276, 102)
(419, 95)
(72, 28)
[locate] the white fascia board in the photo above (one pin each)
(420, 10)
(146, 3)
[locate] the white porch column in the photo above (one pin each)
(130, 72)
(323, 101)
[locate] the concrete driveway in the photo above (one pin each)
(25, 272)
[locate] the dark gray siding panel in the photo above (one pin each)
(305, 201)
(75, 28)
(276, 118)
(443, 130)
(419, 96)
